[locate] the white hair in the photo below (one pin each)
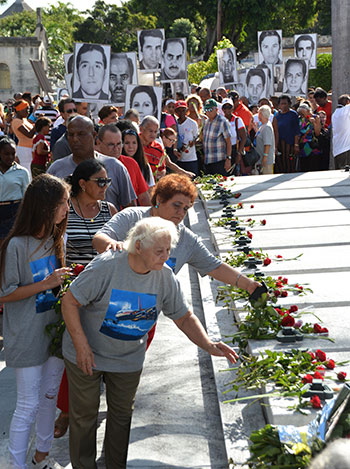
(265, 111)
(335, 456)
(149, 120)
(148, 230)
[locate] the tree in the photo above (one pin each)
(117, 26)
(322, 75)
(198, 70)
(59, 21)
(182, 27)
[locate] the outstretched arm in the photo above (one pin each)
(190, 325)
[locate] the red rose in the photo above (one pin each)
(316, 402)
(280, 278)
(317, 328)
(248, 220)
(263, 222)
(279, 256)
(279, 311)
(320, 355)
(225, 177)
(267, 261)
(252, 206)
(232, 179)
(77, 269)
(284, 293)
(250, 236)
(276, 293)
(307, 379)
(237, 194)
(312, 355)
(330, 364)
(324, 330)
(239, 205)
(317, 375)
(341, 375)
(284, 280)
(298, 324)
(288, 321)
(320, 367)
(279, 284)
(300, 287)
(293, 309)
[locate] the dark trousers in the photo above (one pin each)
(216, 168)
(189, 166)
(84, 400)
(342, 159)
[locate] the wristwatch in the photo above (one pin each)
(229, 157)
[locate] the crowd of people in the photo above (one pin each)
(72, 188)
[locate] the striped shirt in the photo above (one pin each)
(80, 232)
(214, 134)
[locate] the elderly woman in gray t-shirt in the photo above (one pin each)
(108, 312)
(265, 141)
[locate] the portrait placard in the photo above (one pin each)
(227, 66)
(270, 46)
(305, 47)
(179, 87)
(256, 82)
(174, 64)
(150, 49)
(295, 77)
(123, 72)
(278, 75)
(91, 72)
(147, 100)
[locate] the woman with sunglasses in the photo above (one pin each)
(88, 212)
(169, 139)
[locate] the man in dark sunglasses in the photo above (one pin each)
(67, 108)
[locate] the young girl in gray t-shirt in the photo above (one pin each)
(31, 265)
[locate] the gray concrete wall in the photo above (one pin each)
(16, 52)
(340, 44)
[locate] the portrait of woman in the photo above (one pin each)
(145, 99)
(295, 77)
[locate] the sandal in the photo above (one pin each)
(61, 425)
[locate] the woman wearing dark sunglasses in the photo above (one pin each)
(88, 212)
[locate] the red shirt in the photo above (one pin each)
(40, 159)
(328, 110)
(138, 181)
(154, 153)
(243, 112)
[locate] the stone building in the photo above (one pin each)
(16, 72)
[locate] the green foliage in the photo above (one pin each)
(59, 24)
(322, 75)
(117, 26)
(182, 27)
(198, 70)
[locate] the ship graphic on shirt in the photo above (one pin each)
(41, 268)
(130, 315)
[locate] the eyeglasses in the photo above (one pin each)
(102, 182)
(70, 111)
(172, 140)
(209, 109)
(111, 146)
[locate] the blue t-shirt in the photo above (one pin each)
(288, 126)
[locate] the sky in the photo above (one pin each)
(79, 4)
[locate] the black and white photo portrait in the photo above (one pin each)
(179, 87)
(269, 79)
(62, 93)
(256, 85)
(270, 47)
(68, 77)
(173, 59)
(305, 47)
(147, 100)
(91, 72)
(295, 77)
(278, 75)
(227, 65)
(150, 49)
(239, 86)
(123, 72)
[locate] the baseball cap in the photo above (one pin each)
(210, 104)
(180, 103)
(227, 101)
